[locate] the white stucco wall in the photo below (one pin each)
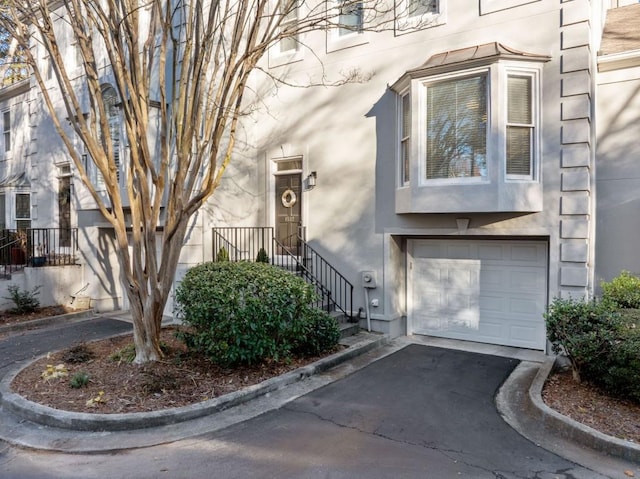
(618, 173)
(347, 134)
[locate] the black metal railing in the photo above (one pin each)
(334, 290)
(243, 243)
(293, 254)
(37, 247)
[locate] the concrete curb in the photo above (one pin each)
(47, 416)
(574, 430)
(519, 402)
(49, 321)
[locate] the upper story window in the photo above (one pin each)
(404, 118)
(289, 43)
(6, 130)
(350, 17)
(412, 15)
(470, 117)
(112, 108)
(421, 7)
(521, 127)
(456, 128)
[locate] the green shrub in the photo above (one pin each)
(623, 290)
(583, 330)
(223, 254)
(262, 257)
(601, 342)
(79, 380)
(620, 374)
(316, 333)
(244, 313)
(25, 301)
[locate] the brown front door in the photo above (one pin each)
(288, 209)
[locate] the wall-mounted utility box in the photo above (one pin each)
(369, 279)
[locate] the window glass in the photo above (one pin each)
(288, 23)
(3, 223)
(519, 126)
(421, 7)
(113, 113)
(23, 205)
(6, 129)
(289, 165)
(350, 17)
(457, 128)
(405, 137)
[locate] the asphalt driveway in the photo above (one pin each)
(421, 412)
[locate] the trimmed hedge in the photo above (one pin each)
(601, 341)
(244, 313)
(623, 290)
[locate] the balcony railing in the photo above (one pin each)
(38, 247)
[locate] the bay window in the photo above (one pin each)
(469, 131)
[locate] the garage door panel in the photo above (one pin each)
(497, 294)
(491, 252)
(527, 253)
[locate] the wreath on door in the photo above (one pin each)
(289, 198)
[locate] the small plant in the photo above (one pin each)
(25, 301)
(223, 254)
(124, 355)
(623, 290)
(262, 257)
(79, 380)
(54, 372)
(77, 354)
(99, 399)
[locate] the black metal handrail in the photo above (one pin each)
(242, 243)
(37, 247)
(245, 243)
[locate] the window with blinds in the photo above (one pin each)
(457, 128)
(405, 139)
(520, 127)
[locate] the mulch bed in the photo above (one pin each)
(178, 380)
(7, 317)
(592, 407)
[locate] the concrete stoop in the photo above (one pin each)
(31, 425)
(347, 327)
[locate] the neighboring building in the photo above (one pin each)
(460, 175)
(618, 148)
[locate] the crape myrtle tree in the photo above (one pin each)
(181, 70)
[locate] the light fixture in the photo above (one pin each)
(311, 180)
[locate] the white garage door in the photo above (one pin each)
(481, 290)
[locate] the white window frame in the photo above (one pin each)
(336, 40)
(534, 126)
(497, 111)
(17, 218)
(422, 127)
(407, 23)
(6, 132)
(404, 140)
(279, 57)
